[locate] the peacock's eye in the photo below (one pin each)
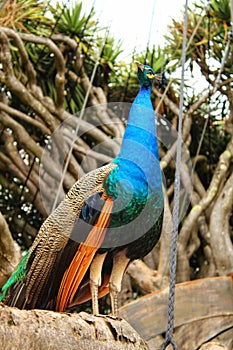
(150, 71)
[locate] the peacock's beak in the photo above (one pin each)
(140, 65)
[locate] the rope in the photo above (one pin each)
(79, 120)
(170, 326)
(173, 252)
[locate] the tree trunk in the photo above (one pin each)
(43, 330)
(9, 252)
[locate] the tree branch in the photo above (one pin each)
(18, 88)
(220, 240)
(192, 218)
(59, 63)
(31, 73)
(39, 330)
(220, 172)
(9, 252)
(22, 116)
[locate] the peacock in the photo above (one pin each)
(108, 218)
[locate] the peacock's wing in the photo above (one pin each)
(81, 262)
(53, 248)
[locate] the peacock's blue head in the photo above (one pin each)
(145, 74)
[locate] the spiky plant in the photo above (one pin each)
(27, 16)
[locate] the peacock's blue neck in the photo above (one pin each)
(141, 127)
(138, 160)
(135, 184)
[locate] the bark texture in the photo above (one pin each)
(9, 252)
(43, 330)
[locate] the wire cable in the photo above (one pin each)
(79, 120)
(150, 30)
(39, 57)
(215, 88)
(211, 92)
(205, 10)
(129, 75)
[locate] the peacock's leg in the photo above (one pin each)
(120, 263)
(95, 280)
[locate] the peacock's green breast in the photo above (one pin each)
(136, 208)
